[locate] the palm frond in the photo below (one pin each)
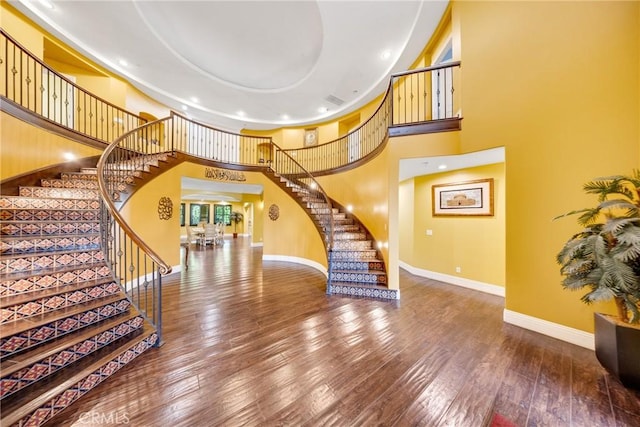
(616, 225)
(618, 204)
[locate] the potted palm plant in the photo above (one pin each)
(604, 258)
(236, 217)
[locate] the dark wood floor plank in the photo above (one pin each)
(259, 343)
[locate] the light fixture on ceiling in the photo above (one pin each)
(123, 62)
(285, 117)
(441, 167)
(240, 113)
(194, 99)
(386, 54)
(184, 107)
(323, 109)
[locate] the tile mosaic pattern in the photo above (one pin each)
(356, 268)
(17, 202)
(352, 245)
(43, 368)
(58, 328)
(40, 215)
(25, 245)
(362, 291)
(66, 398)
(374, 277)
(33, 262)
(91, 184)
(57, 302)
(46, 280)
(48, 228)
(64, 193)
(351, 255)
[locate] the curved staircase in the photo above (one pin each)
(355, 266)
(66, 325)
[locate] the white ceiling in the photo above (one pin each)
(430, 165)
(245, 64)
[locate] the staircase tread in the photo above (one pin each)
(5, 257)
(49, 270)
(20, 361)
(49, 236)
(20, 325)
(24, 297)
(360, 285)
(16, 409)
(376, 272)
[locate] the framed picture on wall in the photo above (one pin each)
(471, 198)
(310, 137)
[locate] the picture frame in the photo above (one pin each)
(470, 198)
(310, 137)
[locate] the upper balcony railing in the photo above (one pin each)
(416, 101)
(31, 84)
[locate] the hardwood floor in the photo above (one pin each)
(259, 343)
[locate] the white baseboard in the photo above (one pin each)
(256, 244)
(454, 280)
(554, 330)
(297, 260)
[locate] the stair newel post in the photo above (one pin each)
(330, 273)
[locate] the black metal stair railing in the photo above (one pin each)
(134, 264)
(29, 83)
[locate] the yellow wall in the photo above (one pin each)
(14, 23)
(476, 244)
(367, 190)
(24, 148)
(556, 83)
(293, 234)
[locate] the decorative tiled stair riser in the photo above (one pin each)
(56, 302)
(66, 325)
(355, 267)
(21, 283)
(35, 336)
(17, 380)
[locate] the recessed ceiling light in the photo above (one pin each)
(123, 62)
(240, 113)
(285, 117)
(442, 167)
(185, 108)
(323, 109)
(385, 54)
(46, 4)
(194, 99)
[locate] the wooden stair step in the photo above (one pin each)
(25, 369)
(50, 243)
(24, 297)
(37, 216)
(20, 202)
(38, 261)
(88, 184)
(362, 290)
(27, 281)
(56, 193)
(36, 322)
(358, 276)
(49, 228)
(40, 404)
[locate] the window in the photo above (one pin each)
(222, 214)
(198, 213)
(181, 214)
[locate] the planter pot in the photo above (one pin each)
(235, 235)
(618, 349)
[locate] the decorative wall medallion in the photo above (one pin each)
(165, 208)
(274, 212)
(224, 175)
